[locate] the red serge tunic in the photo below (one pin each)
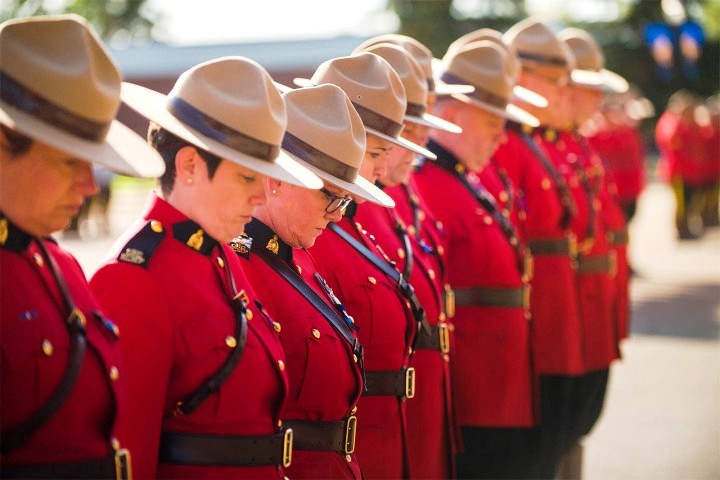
(35, 343)
(493, 379)
(167, 293)
(556, 327)
(431, 436)
(386, 329)
(324, 375)
(595, 289)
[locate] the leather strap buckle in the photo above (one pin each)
(287, 448)
(444, 337)
(410, 382)
(123, 468)
(526, 297)
(572, 246)
(350, 431)
(528, 267)
(449, 301)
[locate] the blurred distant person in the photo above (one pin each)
(709, 115)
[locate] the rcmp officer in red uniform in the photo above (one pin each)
(493, 376)
(546, 68)
(62, 378)
(409, 238)
(358, 270)
(325, 359)
(206, 370)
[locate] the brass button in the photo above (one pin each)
(503, 196)
(221, 262)
(439, 225)
(446, 357)
(401, 253)
(354, 410)
(545, 184)
(279, 424)
(522, 215)
(115, 443)
(277, 326)
(431, 274)
(156, 226)
(47, 347)
(355, 359)
(299, 269)
(281, 365)
(411, 230)
(248, 314)
(451, 327)
(372, 280)
(348, 458)
(479, 211)
(440, 250)
(358, 226)
(316, 333)
(114, 373)
(38, 260)
(442, 317)
(487, 220)
(230, 341)
(421, 215)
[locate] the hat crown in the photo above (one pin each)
(535, 43)
(484, 65)
(584, 49)
(410, 73)
(492, 36)
(237, 92)
(324, 118)
(369, 81)
(422, 55)
(66, 65)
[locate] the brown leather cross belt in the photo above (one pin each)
(438, 339)
(494, 297)
(618, 237)
(114, 467)
(399, 383)
(226, 450)
(326, 436)
(596, 264)
(552, 246)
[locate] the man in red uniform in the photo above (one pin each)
(546, 68)
(206, 370)
(409, 237)
(493, 380)
(62, 381)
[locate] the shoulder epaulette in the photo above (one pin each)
(140, 248)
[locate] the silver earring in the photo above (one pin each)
(189, 181)
(274, 192)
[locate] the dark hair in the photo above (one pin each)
(18, 144)
(168, 145)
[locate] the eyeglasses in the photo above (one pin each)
(336, 201)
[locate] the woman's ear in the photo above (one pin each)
(273, 186)
(186, 165)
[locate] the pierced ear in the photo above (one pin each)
(185, 164)
(273, 185)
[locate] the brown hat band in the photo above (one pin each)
(431, 84)
(415, 109)
(208, 126)
(558, 62)
(306, 152)
(42, 109)
(378, 122)
(479, 94)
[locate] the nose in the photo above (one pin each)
(257, 194)
(335, 216)
(85, 180)
(380, 169)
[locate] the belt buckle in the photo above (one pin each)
(410, 382)
(123, 469)
(449, 301)
(287, 448)
(528, 266)
(613, 264)
(444, 337)
(350, 430)
(572, 246)
(526, 296)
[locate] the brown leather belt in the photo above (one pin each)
(438, 339)
(617, 237)
(398, 383)
(597, 264)
(553, 246)
(115, 467)
(227, 450)
(494, 297)
(324, 436)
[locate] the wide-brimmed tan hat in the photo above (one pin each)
(231, 108)
(327, 135)
(423, 56)
(536, 44)
(59, 86)
(415, 86)
(524, 94)
(590, 68)
(484, 65)
(376, 92)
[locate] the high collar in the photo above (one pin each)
(351, 210)
(12, 237)
(185, 230)
(263, 237)
(446, 159)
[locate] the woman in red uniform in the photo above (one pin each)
(206, 371)
(324, 358)
(62, 377)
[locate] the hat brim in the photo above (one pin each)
(602, 80)
(360, 187)
(528, 96)
(511, 112)
(432, 121)
(152, 105)
(123, 151)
